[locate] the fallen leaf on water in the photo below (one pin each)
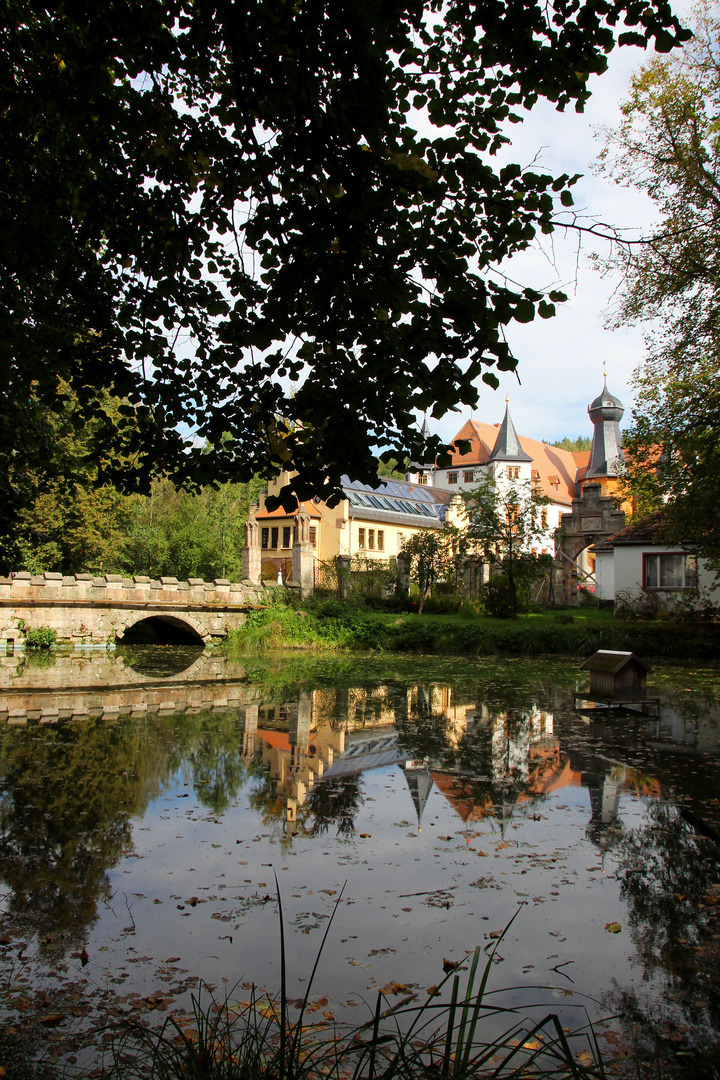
(495, 933)
(392, 988)
(365, 835)
(450, 965)
(433, 991)
(613, 927)
(444, 837)
(52, 1019)
(330, 892)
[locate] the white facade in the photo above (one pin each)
(666, 572)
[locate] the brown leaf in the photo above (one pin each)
(450, 965)
(52, 1019)
(393, 988)
(613, 927)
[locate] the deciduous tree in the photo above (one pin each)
(431, 557)
(667, 146)
(505, 523)
(203, 201)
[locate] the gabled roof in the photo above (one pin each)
(611, 661)
(547, 460)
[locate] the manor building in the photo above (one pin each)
(375, 522)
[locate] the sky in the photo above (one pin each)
(560, 360)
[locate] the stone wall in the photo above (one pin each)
(92, 610)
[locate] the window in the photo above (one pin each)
(468, 476)
(423, 478)
(676, 571)
(513, 472)
(313, 535)
(286, 536)
(361, 538)
(381, 540)
(265, 538)
(452, 478)
(371, 539)
(275, 533)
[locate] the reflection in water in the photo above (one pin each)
(475, 792)
(160, 661)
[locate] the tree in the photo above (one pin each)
(505, 520)
(206, 201)
(583, 442)
(668, 146)
(431, 557)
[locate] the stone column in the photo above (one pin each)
(303, 560)
(251, 553)
(342, 562)
(402, 585)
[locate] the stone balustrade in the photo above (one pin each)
(115, 588)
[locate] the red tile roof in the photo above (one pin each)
(310, 509)
(547, 460)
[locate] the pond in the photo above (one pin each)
(155, 800)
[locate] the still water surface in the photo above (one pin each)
(150, 798)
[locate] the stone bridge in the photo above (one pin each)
(87, 610)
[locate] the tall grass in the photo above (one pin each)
(433, 1040)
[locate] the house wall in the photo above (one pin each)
(605, 575)
(628, 560)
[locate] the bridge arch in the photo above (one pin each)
(162, 630)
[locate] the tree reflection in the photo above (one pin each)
(335, 802)
(69, 794)
(671, 883)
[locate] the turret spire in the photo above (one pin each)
(507, 445)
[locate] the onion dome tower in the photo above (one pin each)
(606, 456)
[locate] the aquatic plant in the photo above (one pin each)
(256, 1040)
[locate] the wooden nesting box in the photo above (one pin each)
(619, 675)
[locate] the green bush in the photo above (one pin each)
(42, 637)
(442, 603)
(495, 596)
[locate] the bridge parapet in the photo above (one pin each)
(116, 588)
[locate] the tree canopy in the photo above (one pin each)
(668, 146)
(266, 229)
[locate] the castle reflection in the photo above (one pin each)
(485, 761)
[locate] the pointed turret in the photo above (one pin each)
(421, 472)
(507, 445)
(606, 456)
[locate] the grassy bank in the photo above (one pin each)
(579, 633)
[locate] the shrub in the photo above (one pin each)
(42, 637)
(495, 596)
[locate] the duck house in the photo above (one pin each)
(616, 675)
